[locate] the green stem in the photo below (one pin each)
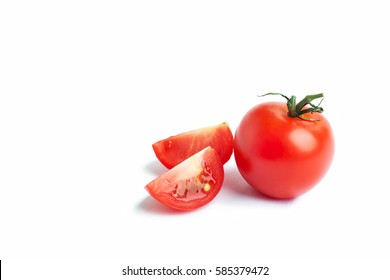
(307, 101)
(297, 110)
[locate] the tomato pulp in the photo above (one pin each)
(281, 156)
(190, 184)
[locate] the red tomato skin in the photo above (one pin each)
(280, 156)
(175, 149)
(205, 166)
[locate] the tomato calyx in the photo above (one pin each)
(297, 110)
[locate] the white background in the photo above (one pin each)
(86, 87)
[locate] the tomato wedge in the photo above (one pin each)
(190, 184)
(175, 149)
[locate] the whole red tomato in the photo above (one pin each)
(284, 150)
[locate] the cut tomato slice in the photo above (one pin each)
(175, 149)
(190, 184)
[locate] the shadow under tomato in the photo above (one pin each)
(155, 168)
(150, 205)
(235, 184)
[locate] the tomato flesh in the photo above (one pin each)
(175, 149)
(190, 184)
(280, 156)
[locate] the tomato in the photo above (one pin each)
(175, 149)
(190, 184)
(284, 151)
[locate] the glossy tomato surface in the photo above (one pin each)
(173, 150)
(280, 156)
(190, 184)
